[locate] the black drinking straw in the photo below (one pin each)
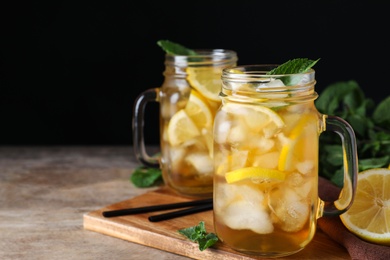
(180, 213)
(131, 211)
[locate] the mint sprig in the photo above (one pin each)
(143, 177)
(295, 66)
(299, 65)
(199, 235)
(175, 48)
(371, 124)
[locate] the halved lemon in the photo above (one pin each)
(261, 174)
(369, 215)
(206, 80)
(198, 110)
(181, 128)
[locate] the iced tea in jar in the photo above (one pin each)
(188, 100)
(266, 146)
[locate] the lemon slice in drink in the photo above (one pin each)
(296, 144)
(257, 118)
(206, 80)
(261, 174)
(198, 110)
(181, 128)
(369, 215)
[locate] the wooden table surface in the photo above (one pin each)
(45, 191)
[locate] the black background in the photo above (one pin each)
(70, 71)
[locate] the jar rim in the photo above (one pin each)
(258, 73)
(258, 70)
(204, 57)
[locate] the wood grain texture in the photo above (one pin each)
(164, 236)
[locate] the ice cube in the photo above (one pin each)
(202, 163)
(176, 156)
(268, 160)
(304, 190)
(273, 83)
(246, 215)
(262, 144)
(237, 192)
(242, 207)
(290, 211)
(222, 132)
(249, 194)
(237, 134)
(305, 167)
(225, 194)
(294, 179)
(238, 159)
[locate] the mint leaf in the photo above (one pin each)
(143, 177)
(334, 95)
(175, 48)
(207, 241)
(190, 233)
(365, 164)
(294, 66)
(381, 114)
(199, 234)
(371, 124)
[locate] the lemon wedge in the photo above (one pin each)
(206, 80)
(181, 128)
(369, 215)
(198, 110)
(293, 145)
(261, 174)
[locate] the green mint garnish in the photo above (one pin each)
(143, 177)
(198, 234)
(295, 66)
(370, 121)
(299, 65)
(175, 48)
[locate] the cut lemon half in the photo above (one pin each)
(181, 128)
(198, 110)
(369, 215)
(206, 80)
(261, 174)
(257, 118)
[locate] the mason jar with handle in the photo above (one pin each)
(188, 100)
(266, 149)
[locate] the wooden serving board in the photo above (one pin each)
(164, 235)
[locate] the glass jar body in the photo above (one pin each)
(266, 146)
(188, 100)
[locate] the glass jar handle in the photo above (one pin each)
(150, 95)
(350, 161)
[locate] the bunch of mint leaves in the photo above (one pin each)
(371, 124)
(199, 235)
